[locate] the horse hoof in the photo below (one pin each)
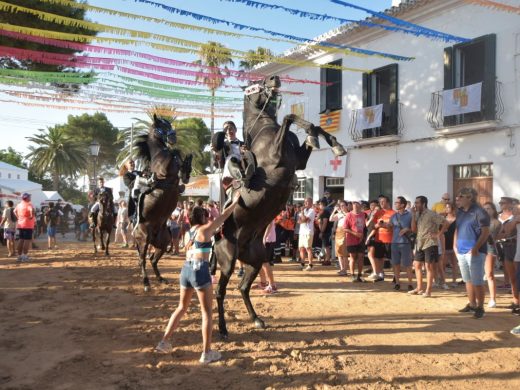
(163, 281)
(224, 336)
(146, 288)
(312, 142)
(339, 150)
(259, 324)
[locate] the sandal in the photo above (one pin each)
(416, 292)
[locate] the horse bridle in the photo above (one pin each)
(268, 95)
(164, 134)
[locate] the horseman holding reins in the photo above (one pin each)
(95, 208)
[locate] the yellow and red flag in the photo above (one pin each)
(330, 121)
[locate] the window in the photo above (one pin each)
(380, 87)
(470, 63)
(330, 95)
(380, 184)
(303, 190)
(334, 182)
(473, 171)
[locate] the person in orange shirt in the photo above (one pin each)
(383, 237)
(25, 213)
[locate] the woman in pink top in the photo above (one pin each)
(25, 213)
(354, 226)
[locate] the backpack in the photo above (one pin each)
(13, 216)
(52, 217)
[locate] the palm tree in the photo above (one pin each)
(56, 153)
(214, 55)
(255, 57)
(186, 140)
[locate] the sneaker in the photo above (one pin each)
(308, 268)
(372, 277)
(516, 311)
(492, 304)
(359, 279)
(270, 290)
(479, 313)
(342, 273)
(512, 306)
(19, 259)
(515, 330)
(379, 279)
(164, 347)
(397, 287)
(467, 309)
(210, 356)
(25, 259)
(240, 272)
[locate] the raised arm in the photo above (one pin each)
(210, 228)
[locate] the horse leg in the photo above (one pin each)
(143, 249)
(109, 232)
(250, 274)
(94, 239)
(337, 148)
(256, 256)
(160, 248)
(226, 260)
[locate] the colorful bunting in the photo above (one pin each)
(415, 29)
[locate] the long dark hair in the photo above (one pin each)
(492, 205)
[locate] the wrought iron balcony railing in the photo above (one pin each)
(492, 109)
(392, 124)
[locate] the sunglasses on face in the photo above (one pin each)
(445, 198)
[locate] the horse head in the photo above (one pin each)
(163, 131)
(104, 200)
(263, 98)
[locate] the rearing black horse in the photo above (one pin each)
(156, 207)
(278, 155)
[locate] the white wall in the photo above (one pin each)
(422, 167)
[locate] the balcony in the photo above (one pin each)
(490, 114)
(390, 130)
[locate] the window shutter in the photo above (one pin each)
(448, 68)
(449, 82)
(393, 98)
(334, 91)
(323, 90)
(366, 87)
(489, 82)
(309, 192)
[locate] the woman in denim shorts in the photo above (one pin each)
(195, 277)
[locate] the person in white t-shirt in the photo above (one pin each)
(306, 221)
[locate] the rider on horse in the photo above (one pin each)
(232, 157)
(95, 208)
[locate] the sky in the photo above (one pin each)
(18, 121)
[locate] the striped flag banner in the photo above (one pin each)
(329, 121)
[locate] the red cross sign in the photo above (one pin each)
(335, 163)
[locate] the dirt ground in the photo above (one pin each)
(71, 320)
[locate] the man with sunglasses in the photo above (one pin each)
(469, 245)
(440, 207)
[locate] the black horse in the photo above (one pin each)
(278, 155)
(154, 208)
(105, 221)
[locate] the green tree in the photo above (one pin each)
(216, 56)
(11, 156)
(198, 128)
(27, 20)
(86, 128)
(57, 154)
(255, 57)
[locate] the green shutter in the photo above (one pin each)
(366, 89)
(323, 90)
(449, 82)
(489, 82)
(394, 99)
(309, 188)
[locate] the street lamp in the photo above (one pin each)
(94, 152)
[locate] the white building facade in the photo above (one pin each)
(417, 149)
(14, 180)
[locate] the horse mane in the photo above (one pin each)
(142, 150)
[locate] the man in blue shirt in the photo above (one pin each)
(401, 248)
(470, 239)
